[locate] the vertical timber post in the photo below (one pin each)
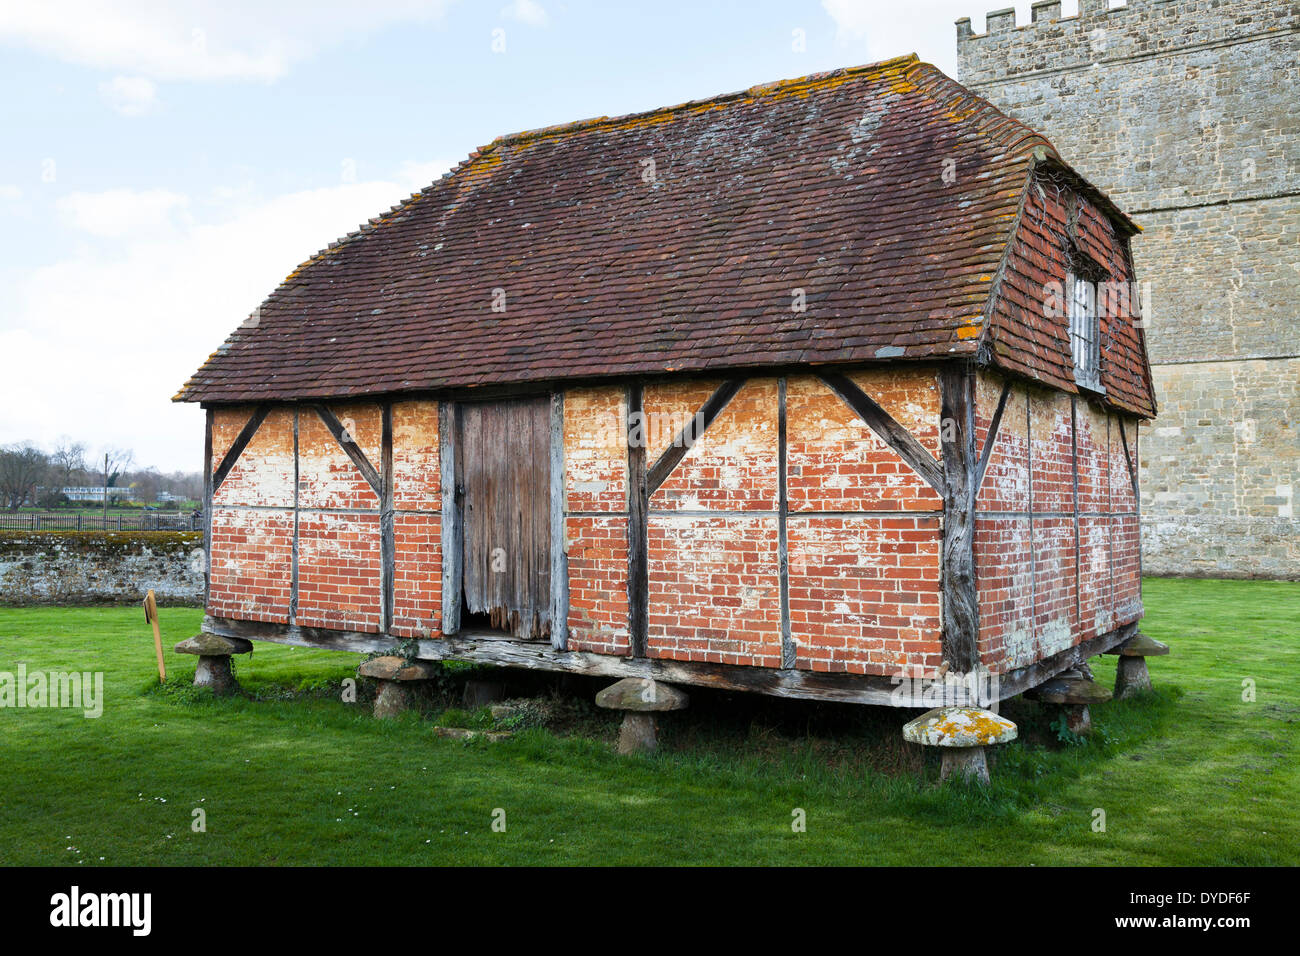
(293, 566)
(783, 538)
(1029, 472)
(559, 558)
(387, 545)
(957, 574)
(638, 568)
(1078, 541)
(207, 508)
(453, 541)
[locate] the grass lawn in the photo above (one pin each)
(1190, 774)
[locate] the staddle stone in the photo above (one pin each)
(969, 763)
(214, 645)
(641, 694)
(215, 672)
(963, 732)
(638, 734)
(1131, 677)
(394, 668)
(959, 727)
(392, 699)
(1064, 689)
(1139, 645)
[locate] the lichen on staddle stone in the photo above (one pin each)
(959, 727)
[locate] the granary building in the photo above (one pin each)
(793, 390)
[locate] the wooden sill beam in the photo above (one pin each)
(504, 651)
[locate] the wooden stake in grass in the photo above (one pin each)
(151, 615)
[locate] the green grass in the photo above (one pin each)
(1190, 774)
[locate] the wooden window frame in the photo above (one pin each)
(1083, 317)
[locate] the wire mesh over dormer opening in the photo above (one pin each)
(1085, 337)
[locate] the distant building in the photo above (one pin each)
(97, 494)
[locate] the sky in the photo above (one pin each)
(166, 163)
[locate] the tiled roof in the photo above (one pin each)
(665, 241)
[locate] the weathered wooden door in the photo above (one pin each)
(504, 475)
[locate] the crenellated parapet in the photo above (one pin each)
(1099, 33)
(1164, 103)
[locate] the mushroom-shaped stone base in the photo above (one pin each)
(640, 698)
(214, 654)
(968, 763)
(1131, 675)
(638, 734)
(963, 732)
(394, 675)
(1075, 691)
(216, 672)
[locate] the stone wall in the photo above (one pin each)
(1185, 113)
(116, 567)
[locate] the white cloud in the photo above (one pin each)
(853, 18)
(119, 213)
(526, 11)
(414, 175)
(200, 39)
(10, 193)
(128, 321)
(129, 95)
(880, 31)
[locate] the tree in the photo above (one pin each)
(116, 461)
(68, 459)
(22, 468)
(147, 484)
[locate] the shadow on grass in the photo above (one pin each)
(734, 741)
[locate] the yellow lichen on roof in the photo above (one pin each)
(895, 69)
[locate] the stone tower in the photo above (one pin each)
(1187, 113)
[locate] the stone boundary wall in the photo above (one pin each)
(115, 567)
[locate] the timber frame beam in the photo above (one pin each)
(237, 446)
(658, 473)
(353, 450)
(898, 438)
(994, 427)
(559, 557)
(638, 524)
(1129, 464)
(958, 597)
(492, 648)
(452, 528)
(207, 504)
(381, 483)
